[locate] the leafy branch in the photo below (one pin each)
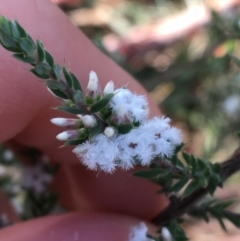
(185, 180)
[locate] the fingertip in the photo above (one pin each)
(73, 227)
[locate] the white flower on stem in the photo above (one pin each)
(135, 106)
(109, 88)
(93, 88)
(66, 122)
(101, 153)
(109, 131)
(166, 235)
(139, 233)
(68, 135)
(89, 121)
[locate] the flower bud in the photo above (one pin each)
(109, 88)
(89, 121)
(109, 132)
(166, 235)
(67, 123)
(93, 88)
(67, 135)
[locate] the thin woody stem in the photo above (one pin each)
(178, 206)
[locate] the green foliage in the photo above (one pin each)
(102, 103)
(216, 209)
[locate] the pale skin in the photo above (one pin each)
(103, 206)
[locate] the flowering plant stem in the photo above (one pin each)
(112, 131)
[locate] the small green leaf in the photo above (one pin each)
(76, 84)
(124, 128)
(21, 31)
(67, 77)
(59, 93)
(99, 105)
(232, 217)
(180, 184)
(24, 59)
(27, 46)
(78, 96)
(191, 188)
(179, 147)
(223, 205)
(202, 181)
(5, 26)
(216, 168)
(95, 130)
(68, 109)
(57, 71)
(49, 59)
(194, 165)
(40, 51)
(202, 165)
(187, 157)
(75, 142)
(40, 74)
(10, 44)
(150, 173)
(54, 85)
(15, 32)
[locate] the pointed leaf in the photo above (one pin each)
(49, 58)
(150, 173)
(68, 77)
(71, 110)
(40, 51)
(180, 184)
(27, 46)
(191, 188)
(24, 59)
(75, 142)
(57, 71)
(59, 93)
(55, 85)
(99, 105)
(124, 128)
(76, 84)
(78, 96)
(95, 130)
(21, 31)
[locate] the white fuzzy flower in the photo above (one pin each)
(101, 153)
(109, 88)
(89, 121)
(139, 233)
(135, 106)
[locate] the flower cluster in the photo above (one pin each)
(123, 135)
